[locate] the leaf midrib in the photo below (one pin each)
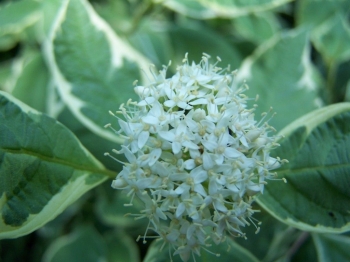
(105, 172)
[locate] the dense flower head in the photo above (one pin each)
(196, 155)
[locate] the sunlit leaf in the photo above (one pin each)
(234, 8)
(206, 9)
(193, 9)
(316, 196)
(30, 85)
(93, 68)
(43, 168)
(15, 17)
(281, 74)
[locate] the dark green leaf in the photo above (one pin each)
(332, 247)
(195, 40)
(84, 242)
(229, 251)
(316, 196)
(43, 168)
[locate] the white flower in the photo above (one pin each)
(196, 156)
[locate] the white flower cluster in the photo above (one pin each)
(196, 156)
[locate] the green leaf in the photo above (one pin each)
(247, 26)
(49, 10)
(196, 40)
(84, 242)
(121, 247)
(93, 68)
(316, 196)
(43, 168)
(207, 9)
(118, 14)
(306, 251)
(18, 15)
(321, 11)
(332, 247)
(332, 39)
(30, 86)
(281, 73)
(347, 92)
(328, 25)
(274, 237)
(5, 72)
(229, 251)
(154, 42)
(111, 210)
(193, 9)
(87, 243)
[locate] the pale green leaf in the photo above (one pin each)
(316, 196)
(227, 251)
(256, 27)
(43, 168)
(328, 25)
(49, 10)
(321, 11)
(235, 8)
(153, 40)
(30, 84)
(281, 74)
(207, 9)
(332, 39)
(118, 13)
(193, 9)
(93, 68)
(5, 72)
(332, 247)
(17, 15)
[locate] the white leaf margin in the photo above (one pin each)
(212, 9)
(234, 11)
(306, 81)
(116, 44)
(70, 192)
(310, 121)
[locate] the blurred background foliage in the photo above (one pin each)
(283, 44)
